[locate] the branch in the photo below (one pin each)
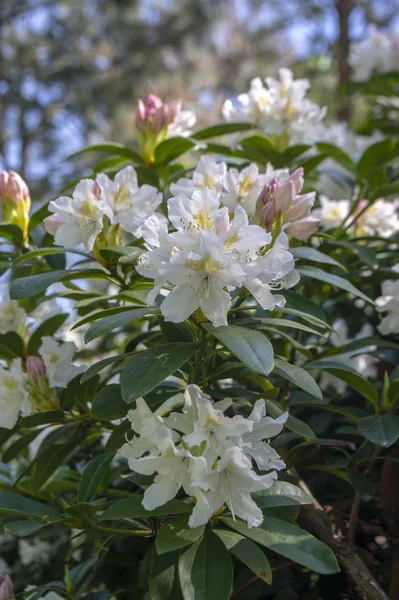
(251, 582)
(365, 584)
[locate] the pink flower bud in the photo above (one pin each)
(153, 104)
(300, 209)
(96, 190)
(301, 230)
(267, 214)
(152, 114)
(298, 179)
(35, 367)
(285, 196)
(6, 588)
(13, 187)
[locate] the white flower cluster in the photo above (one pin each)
(280, 107)
(381, 219)
(12, 316)
(377, 53)
(96, 204)
(207, 453)
(389, 302)
(340, 134)
(15, 387)
(209, 252)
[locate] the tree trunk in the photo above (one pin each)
(343, 8)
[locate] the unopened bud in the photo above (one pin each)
(301, 230)
(96, 190)
(285, 196)
(267, 215)
(6, 588)
(268, 193)
(151, 114)
(35, 367)
(298, 179)
(12, 187)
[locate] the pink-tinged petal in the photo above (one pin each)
(301, 230)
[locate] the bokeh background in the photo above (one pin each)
(71, 71)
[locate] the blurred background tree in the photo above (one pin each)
(71, 71)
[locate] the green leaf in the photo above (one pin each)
(50, 252)
(171, 148)
(93, 475)
(25, 527)
(104, 326)
(308, 253)
(251, 347)
(393, 391)
(360, 384)
(260, 149)
(385, 191)
(382, 430)
(14, 504)
(289, 541)
(175, 533)
(48, 327)
(12, 232)
(164, 578)
(299, 377)
(247, 552)
(101, 364)
(50, 460)
(222, 129)
(293, 424)
(147, 369)
(337, 154)
(281, 494)
(132, 508)
(206, 570)
(108, 404)
(18, 445)
(375, 156)
(11, 345)
(50, 416)
(338, 282)
(25, 287)
(110, 148)
(304, 307)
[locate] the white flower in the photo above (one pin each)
(199, 279)
(174, 469)
(389, 302)
(279, 108)
(58, 358)
(209, 173)
(231, 483)
(208, 256)
(77, 220)
(129, 203)
(182, 124)
(14, 396)
(380, 219)
(153, 434)
(332, 213)
(263, 428)
(251, 107)
(243, 188)
(379, 52)
(12, 316)
(33, 551)
(211, 462)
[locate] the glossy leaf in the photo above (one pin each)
(147, 369)
(247, 552)
(251, 347)
(175, 533)
(334, 280)
(93, 475)
(132, 508)
(206, 570)
(298, 376)
(382, 430)
(289, 541)
(108, 404)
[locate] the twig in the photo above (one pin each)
(251, 582)
(366, 586)
(353, 520)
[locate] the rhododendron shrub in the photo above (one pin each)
(194, 339)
